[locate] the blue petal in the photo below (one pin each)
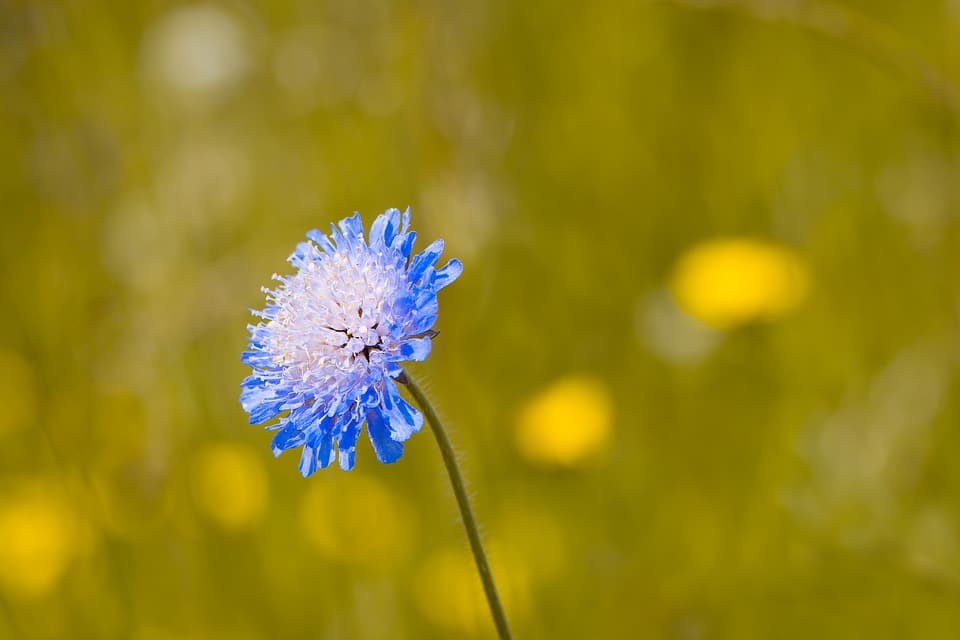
(303, 416)
(424, 319)
(385, 447)
(265, 411)
(347, 444)
(402, 418)
(384, 228)
(322, 240)
(417, 349)
(427, 307)
(406, 245)
(339, 241)
(448, 273)
(370, 397)
(308, 461)
(257, 359)
(426, 258)
(253, 381)
(404, 305)
(305, 252)
(426, 281)
(352, 229)
(287, 438)
(254, 391)
(393, 370)
(325, 452)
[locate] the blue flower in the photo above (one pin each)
(332, 336)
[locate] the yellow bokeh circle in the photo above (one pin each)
(729, 282)
(566, 423)
(38, 539)
(230, 485)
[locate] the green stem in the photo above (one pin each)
(460, 491)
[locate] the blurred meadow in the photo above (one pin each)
(701, 365)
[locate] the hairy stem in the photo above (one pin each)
(463, 501)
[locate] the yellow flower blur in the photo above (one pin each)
(726, 283)
(230, 485)
(566, 423)
(37, 542)
(357, 520)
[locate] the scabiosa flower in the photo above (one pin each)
(332, 336)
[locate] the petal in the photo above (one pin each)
(393, 370)
(352, 229)
(347, 444)
(448, 273)
(370, 397)
(427, 279)
(257, 359)
(254, 391)
(425, 316)
(402, 418)
(384, 228)
(254, 381)
(265, 411)
(308, 461)
(322, 240)
(385, 447)
(287, 438)
(426, 258)
(403, 305)
(305, 252)
(417, 349)
(303, 414)
(339, 241)
(325, 452)
(406, 243)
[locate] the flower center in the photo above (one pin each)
(333, 315)
(358, 340)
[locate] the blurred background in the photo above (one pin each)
(701, 365)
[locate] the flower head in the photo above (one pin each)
(332, 336)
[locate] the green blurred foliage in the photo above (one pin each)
(790, 475)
